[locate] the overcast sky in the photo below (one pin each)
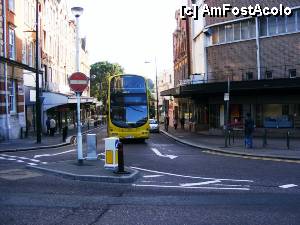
(130, 32)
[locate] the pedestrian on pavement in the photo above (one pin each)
(249, 128)
(48, 125)
(182, 123)
(175, 124)
(52, 127)
(167, 122)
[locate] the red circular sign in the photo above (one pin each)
(78, 82)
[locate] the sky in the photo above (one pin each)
(130, 32)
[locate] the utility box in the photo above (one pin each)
(111, 153)
(91, 147)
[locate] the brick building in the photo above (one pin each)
(56, 64)
(260, 59)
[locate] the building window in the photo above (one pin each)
(12, 43)
(245, 29)
(11, 5)
(272, 25)
(292, 73)
(269, 75)
(12, 96)
(24, 52)
(281, 25)
(221, 34)
(263, 26)
(229, 32)
(298, 20)
(30, 54)
(291, 23)
(237, 31)
(252, 28)
(215, 35)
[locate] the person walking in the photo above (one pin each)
(48, 125)
(182, 123)
(175, 123)
(52, 127)
(167, 122)
(249, 128)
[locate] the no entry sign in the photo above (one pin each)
(78, 82)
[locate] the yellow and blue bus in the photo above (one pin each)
(128, 107)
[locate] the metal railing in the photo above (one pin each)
(244, 74)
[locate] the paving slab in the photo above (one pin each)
(209, 143)
(88, 171)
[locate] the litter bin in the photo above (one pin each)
(111, 153)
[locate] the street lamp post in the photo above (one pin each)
(37, 80)
(77, 12)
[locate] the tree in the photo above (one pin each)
(100, 72)
(151, 98)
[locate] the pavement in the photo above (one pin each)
(89, 170)
(47, 141)
(276, 148)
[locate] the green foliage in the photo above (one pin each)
(101, 72)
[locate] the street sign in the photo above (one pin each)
(226, 96)
(78, 82)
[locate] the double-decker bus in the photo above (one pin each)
(128, 114)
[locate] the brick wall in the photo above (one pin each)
(280, 53)
(233, 58)
(277, 54)
(241, 3)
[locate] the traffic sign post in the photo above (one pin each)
(78, 82)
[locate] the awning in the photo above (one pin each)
(52, 99)
(270, 86)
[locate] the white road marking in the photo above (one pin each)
(288, 186)
(11, 159)
(24, 158)
(178, 175)
(34, 160)
(200, 183)
(148, 176)
(21, 160)
(60, 153)
(211, 188)
(158, 153)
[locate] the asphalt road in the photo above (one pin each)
(178, 185)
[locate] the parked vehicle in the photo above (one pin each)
(154, 125)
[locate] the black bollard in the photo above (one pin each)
(226, 138)
(288, 139)
(21, 132)
(121, 160)
(265, 138)
(65, 133)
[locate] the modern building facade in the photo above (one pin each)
(257, 57)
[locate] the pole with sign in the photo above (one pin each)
(227, 119)
(78, 82)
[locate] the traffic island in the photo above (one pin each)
(88, 171)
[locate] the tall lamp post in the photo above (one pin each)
(37, 80)
(156, 84)
(77, 12)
